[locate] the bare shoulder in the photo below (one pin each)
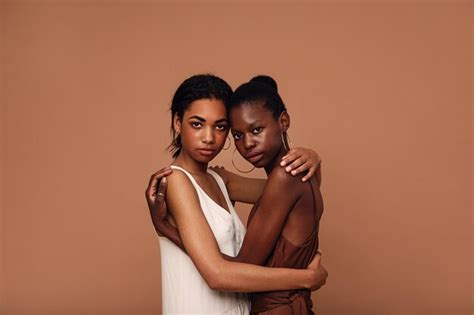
(280, 176)
(178, 177)
(179, 186)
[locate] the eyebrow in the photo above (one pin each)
(197, 117)
(203, 120)
(256, 122)
(251, 125)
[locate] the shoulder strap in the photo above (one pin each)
(222, 186)
(191, 178)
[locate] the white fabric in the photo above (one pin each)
(183, 288)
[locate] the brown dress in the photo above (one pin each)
(289, 255)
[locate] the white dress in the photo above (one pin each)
(184, 291)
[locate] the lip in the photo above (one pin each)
(254, 158)
(206, 152)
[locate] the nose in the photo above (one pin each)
(208, 136)
(249, 142)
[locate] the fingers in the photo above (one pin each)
(162, 190)
(292, 155)
(309, 174)
(155, 179)
(163, 172)
(301, 165)
(297, 162)
(298, 166)
(315, 263)
(217, 168)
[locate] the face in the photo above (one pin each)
(257, 135)
(203, 129)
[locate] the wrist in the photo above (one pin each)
(310, 279)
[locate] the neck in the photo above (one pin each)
(192, 166)
(275, 162)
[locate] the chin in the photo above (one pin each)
(260, 163)
(203, 159)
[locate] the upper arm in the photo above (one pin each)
(195, 232)
(278, 198)
(244, 189)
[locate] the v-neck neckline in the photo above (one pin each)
(205, 193)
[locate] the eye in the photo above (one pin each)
(196, 124)
(221, 127)
(237, 135)
(257, 130)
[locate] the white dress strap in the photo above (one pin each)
(240, 228)
(191, 178)
(223, 188)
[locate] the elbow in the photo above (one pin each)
(216, 280)
(214, 284)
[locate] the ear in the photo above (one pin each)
(284, 121)
(177, 124)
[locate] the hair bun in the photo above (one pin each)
(267, 80)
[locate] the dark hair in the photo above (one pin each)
(201, 86)
(260, 89)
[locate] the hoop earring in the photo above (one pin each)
(230, 144)
(233, 163)
(285, 139)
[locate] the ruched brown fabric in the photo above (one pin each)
(288, 255)
(283, 303)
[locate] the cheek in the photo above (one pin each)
(272, 140)
(188, 135)
(240, 146)
(221, 137)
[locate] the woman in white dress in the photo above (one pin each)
(207, 223)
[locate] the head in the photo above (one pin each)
(259, 121)
(199, 122)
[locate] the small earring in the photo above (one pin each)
(285, 139)
(230, 144)
(235, 166)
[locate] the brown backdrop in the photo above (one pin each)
(382, 90)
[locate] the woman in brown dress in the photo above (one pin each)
(284, 223)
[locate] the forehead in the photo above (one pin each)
(249, 113)
(207, 108)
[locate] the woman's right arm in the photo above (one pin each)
(200, 244)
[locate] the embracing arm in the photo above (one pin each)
(240, 188)
(269, 218)
(248, 190)
(200, 244)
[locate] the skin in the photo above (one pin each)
(202, 140)
(257, 136)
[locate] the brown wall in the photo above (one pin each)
(382, 90)
(472, 135)
(2, 229)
